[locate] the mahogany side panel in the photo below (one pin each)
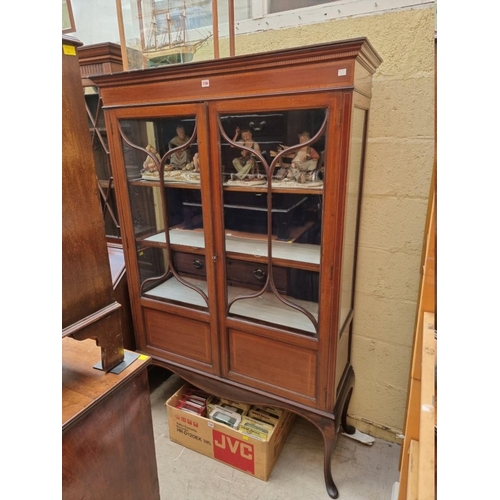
(87, 290)
(86, 276)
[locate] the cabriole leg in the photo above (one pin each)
(329, 437)
(348, 429)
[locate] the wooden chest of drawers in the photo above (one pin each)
(251, 274)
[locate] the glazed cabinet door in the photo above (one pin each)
(279, 211)
(162, 169)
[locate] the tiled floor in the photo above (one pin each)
(361, 472)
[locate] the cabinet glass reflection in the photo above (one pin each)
(272, 170)
(163, 171)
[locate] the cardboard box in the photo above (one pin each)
(224, 444)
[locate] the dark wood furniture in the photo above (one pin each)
(107, 434)
(282, 336)
(239, 211)
(88, 307)
(121, 293)
(99, 59)
(107, 430)
(96, 59)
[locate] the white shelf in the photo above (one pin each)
(297, 252)
(267, 307)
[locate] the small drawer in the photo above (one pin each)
(249, 273)
(190, 263)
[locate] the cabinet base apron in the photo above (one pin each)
(329, 424)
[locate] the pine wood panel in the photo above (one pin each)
(412, 489)
(426, 438)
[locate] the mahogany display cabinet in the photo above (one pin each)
(240, 235)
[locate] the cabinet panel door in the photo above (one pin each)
(277, 162)
(271, 165)
(277, 366)
(161, 159)
(180, 338)
(161, 162)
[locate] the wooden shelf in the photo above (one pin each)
(267, 307)
(284, 251)
(288, 190)
(254, 189)
(177, 185)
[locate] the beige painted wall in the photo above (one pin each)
(397, 176)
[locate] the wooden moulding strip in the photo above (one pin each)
(412, 488)
(90, 320)
(426, 466)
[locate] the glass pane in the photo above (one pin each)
(285, 5)
(272, 171)
(99, 139)
(161, 32)
(351, 212)
(161, 162)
